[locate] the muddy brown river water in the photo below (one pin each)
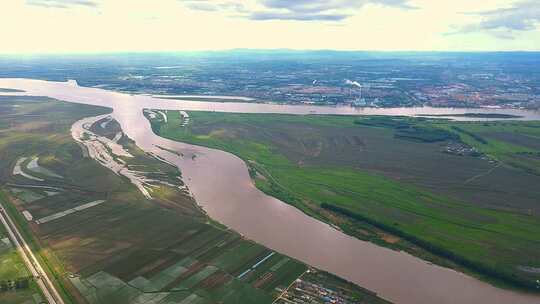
(221, 184)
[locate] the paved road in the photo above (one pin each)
(41, 277)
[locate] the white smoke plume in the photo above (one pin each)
(353, 83)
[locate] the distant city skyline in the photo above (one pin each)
(75, 26)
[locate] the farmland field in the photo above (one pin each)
(104, 240)
(461, 194)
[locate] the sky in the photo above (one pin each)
(90, 26)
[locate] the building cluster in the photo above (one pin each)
(461, 149)
(463, 95)
(304, 292)
(441, 86)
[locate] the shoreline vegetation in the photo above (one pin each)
(475, 115)
(232, 99)
(212, 99)
(3, 90)
(434, 249)
(302, 163)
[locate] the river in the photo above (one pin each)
(221, 184)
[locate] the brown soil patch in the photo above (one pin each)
(390, 239)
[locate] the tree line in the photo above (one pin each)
(478, 267)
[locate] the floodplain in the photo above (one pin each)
(104, 240)
(461, 194)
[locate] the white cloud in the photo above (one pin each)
(506, 22)
(61, 3)
(299, 10)
(171, 25)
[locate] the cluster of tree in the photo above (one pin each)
(476, 137)
(20, 283)
(252, 171)
(406, 129)
(425, 134)
(282, 194)
(478, 267)
(383, 122)
(156, 126)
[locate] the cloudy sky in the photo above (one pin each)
(51, 26)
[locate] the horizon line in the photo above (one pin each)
(56, 53)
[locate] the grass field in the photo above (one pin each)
(128, 249)
(399, 181)
(12, 269)
(12, 265)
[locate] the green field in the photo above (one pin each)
(427, 186)
(12, 265)
(127, 249)
(13, 269)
